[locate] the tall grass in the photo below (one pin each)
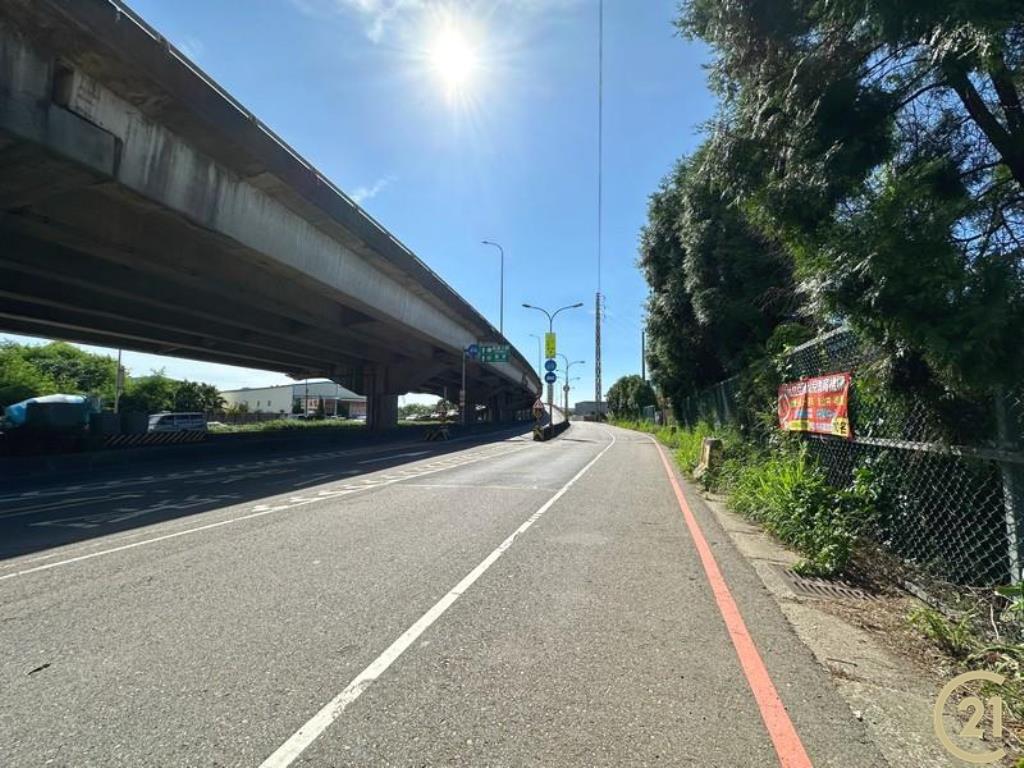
(789, 495)
(685, 443)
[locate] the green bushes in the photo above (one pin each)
(789, 495)
(287, 425)
(688, 445)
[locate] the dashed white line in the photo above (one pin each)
(257, 511)
(393, 456)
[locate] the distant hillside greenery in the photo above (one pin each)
(866, 166)
(33, 370)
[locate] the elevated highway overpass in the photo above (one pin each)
(142, 207)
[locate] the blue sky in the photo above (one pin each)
(510, 157)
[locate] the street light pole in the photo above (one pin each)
(501, 295)
(568, 365)
(540, 364)
(551, 329)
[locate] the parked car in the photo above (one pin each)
(177, 422)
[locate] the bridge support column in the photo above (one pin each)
(499, 409)
(381, 412)
(381, 405)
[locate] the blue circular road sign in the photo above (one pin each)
(550, 365)
(473, 350)
(550, 377)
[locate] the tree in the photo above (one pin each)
(150, 394)
(29, 371)
(34, 370)
(237, 409)
(419, 410)
(196, 396)
(19, 379)
(628, 397)
(883, 144)
(719, 285)
(73, 370)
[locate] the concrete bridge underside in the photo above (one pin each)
(141, 207)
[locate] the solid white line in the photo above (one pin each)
(311, 480)
(258, 511)
(287, 753)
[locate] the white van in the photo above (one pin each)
(177, 422)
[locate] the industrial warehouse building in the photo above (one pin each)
(301, 397)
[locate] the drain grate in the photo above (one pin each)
(816, 587)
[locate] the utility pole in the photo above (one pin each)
(643, 355)
(118, 383)
(598, 394)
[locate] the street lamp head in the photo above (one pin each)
(528, 306)
(578, 304)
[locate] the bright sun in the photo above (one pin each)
(453, 58)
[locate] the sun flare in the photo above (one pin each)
(453, 58)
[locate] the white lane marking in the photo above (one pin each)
(258, 511)
(66, 503)
(393, 456)
(288, 752)
(302, 458)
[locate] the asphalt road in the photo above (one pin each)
(501, 603)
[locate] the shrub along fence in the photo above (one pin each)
(948, 473)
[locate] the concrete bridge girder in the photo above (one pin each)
(140, 207)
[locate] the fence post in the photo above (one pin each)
(1008, 432)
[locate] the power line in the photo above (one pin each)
(598, 394)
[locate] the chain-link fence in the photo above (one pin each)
(949, 473)
(716, 405)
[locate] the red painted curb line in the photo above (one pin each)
(785, 739)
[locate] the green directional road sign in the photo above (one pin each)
(493, 353)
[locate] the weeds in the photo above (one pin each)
(956, 639)
(959, 640)
(789, 495)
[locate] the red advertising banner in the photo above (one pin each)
(817, 405)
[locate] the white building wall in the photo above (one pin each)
(263, 400)
(279, 399)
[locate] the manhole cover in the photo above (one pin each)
(816, 587)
